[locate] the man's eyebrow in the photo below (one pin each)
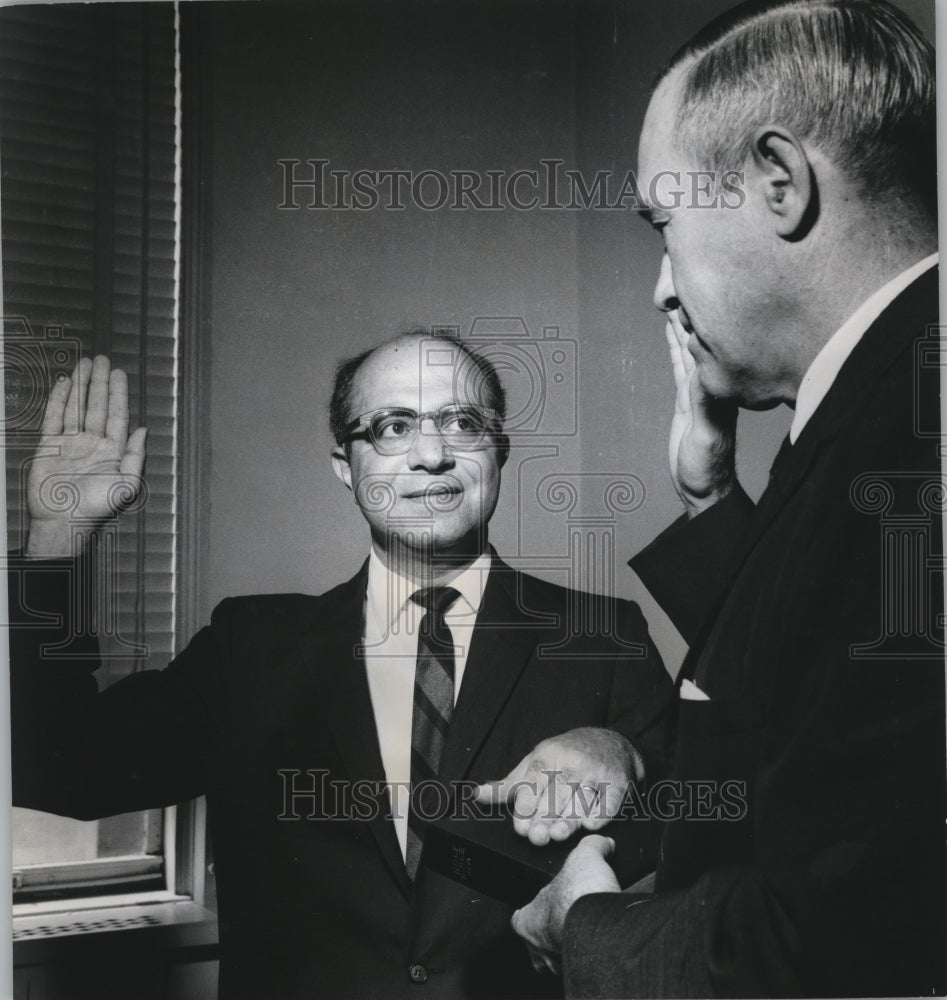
(645, 215)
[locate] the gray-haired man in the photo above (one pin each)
(815, 674)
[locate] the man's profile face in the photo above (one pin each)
(432, 495)
(719, 278)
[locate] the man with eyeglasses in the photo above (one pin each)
(325, 731)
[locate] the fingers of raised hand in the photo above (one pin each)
(683, 366)
(116, 426)
(677, 363)
(683, 338)
(94, 400)
(97, 402)
(74, 415)
(56, 406)
(705, 406)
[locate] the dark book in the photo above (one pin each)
(485, 853)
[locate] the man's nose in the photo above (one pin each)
(428, 450)
(665, 294)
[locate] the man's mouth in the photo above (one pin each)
(694, 338)
(438, 491)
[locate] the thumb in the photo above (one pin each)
(602, 846)
(497, 792)
(133, 461)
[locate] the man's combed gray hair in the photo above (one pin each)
(854, 77)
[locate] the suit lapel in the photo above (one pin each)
(503, 642)
(893, 333)
(329, 662)
(327, 668)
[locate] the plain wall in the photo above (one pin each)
(383, 86)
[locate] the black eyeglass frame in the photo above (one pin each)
(361, 426)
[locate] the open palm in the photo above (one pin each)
(703, 432)
(86, 468)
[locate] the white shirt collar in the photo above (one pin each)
(828, 362)
(388, 591)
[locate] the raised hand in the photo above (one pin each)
(703, 432)
(577, 779)
(86, 468)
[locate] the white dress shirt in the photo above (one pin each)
(391, 649)
(828, 362)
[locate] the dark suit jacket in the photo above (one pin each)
(316, 907)
(822, 656)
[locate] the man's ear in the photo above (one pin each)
(341, 467)
(787, 179)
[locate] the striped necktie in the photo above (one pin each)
(433, 707)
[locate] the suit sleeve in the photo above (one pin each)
(685, 567)
(850, 904)
(859, 916)
(642, 692)
(639, 708)
(140, 743)
(825, 676)
(622, 945)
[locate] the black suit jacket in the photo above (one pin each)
(272, 698)
(822, 654)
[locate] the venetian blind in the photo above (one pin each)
(88, 204)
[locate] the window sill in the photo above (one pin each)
(46, 932)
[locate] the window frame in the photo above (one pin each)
(183, 861)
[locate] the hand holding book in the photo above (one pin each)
(575, 780)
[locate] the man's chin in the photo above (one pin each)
(715, 383)
(725, 390)
(438, 542)
(452, 543)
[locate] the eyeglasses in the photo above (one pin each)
(393, 431)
